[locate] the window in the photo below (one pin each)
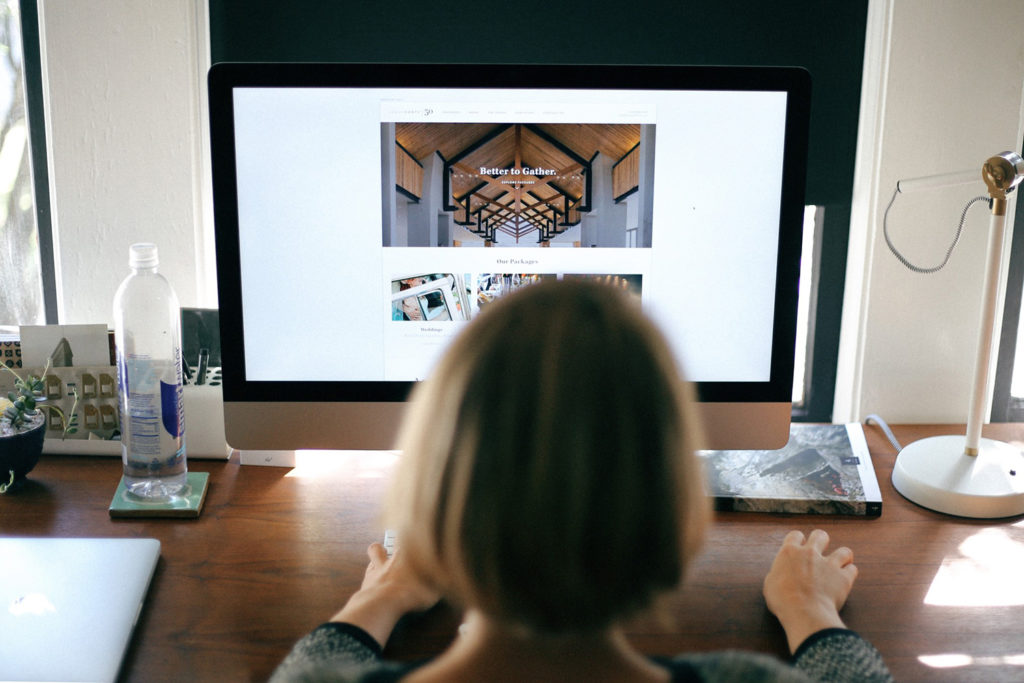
(1008, 389)
(21, 289)
(807, 303)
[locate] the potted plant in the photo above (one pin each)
(23, 422)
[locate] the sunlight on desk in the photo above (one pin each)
(365, 464)
(986, 574)
(953, 661)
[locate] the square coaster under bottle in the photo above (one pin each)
(188, 504)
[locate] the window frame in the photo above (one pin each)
(39, 161)
(1005, 406)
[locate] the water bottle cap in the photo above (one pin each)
(143, 255)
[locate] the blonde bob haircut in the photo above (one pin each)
(549, 476)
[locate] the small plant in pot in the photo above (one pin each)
(23, 420)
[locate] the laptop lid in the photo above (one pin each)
(68, 605)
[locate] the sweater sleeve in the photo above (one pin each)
(837, 654)
(332, 646)
(833, 655)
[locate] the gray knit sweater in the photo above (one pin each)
(347, 654)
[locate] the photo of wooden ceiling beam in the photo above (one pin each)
(517, 179)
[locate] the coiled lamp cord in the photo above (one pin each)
(949, 252)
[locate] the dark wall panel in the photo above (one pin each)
(826, 37)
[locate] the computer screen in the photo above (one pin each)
(365, 213)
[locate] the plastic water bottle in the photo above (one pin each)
(147, 337)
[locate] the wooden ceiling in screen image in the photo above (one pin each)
(517, 178)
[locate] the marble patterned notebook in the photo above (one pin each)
(824, 469)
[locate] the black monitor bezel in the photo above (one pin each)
(224, 77)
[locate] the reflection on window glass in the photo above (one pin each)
(21, 295)
(808, 284)
(1017, 383)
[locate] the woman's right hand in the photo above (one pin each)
(805, 587)
(390, 589)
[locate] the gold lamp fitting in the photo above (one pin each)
(1002, 173)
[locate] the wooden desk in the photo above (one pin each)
(277, 551)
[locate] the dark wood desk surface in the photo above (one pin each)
(277, 551)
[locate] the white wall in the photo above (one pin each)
(942, 92)
(123, 107)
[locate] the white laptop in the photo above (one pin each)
(68, 605)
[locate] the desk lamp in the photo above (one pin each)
(970, 476)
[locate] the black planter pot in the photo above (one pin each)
(21, 452)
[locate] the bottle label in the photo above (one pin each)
(171, 408)
(152, 419)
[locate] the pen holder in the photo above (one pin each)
(204, 422)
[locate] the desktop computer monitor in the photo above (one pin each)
(365, 212)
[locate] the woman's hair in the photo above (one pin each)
(549, 476)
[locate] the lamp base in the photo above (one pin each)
(936, 473)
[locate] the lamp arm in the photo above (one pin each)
(986, 333)
(1002, 173)
(941, 180)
